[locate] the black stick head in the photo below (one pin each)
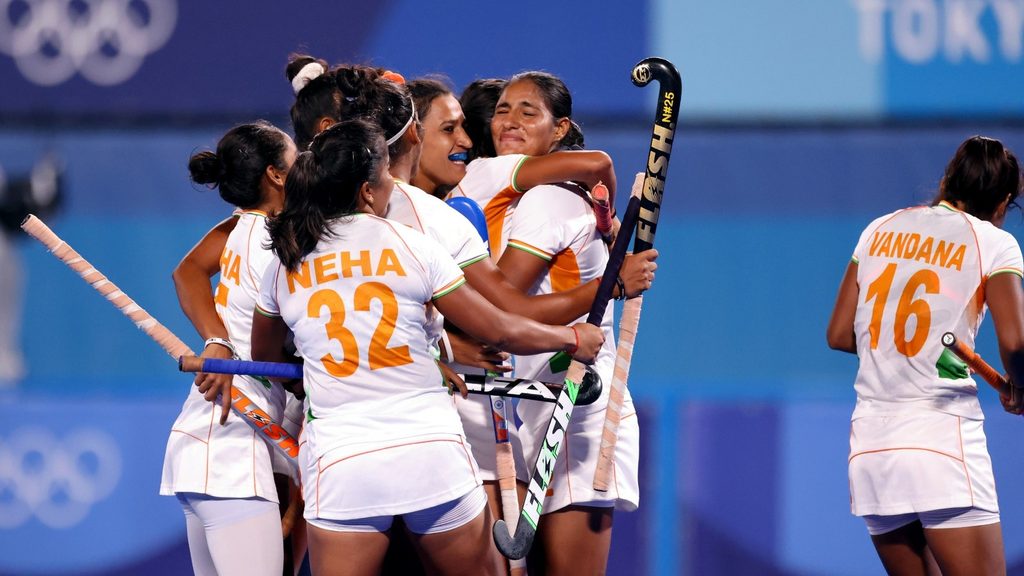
(659, 69)
(590, 388)
(511, 547)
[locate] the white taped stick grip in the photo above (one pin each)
(250, 412)
(167, 340)
(620, 377)
(506, 472)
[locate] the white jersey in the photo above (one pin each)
(424, 213)
(231, 460)
(558, 225)
(357, 308)
(922, 272)
(491, 182)
(428, 215)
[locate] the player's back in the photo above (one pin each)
(921, 273)
(356, 306)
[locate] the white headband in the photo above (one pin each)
(412, 116)
(308, 73)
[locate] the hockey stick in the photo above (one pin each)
(505, 463)
(499, 386)
(518, 545)
(602, 210)
(628, 324)
(652, 188)
(250, 412)
(977, 364)
(643, 214)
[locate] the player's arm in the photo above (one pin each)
(471, 312)
(195, 296)
(269, 336)
(1005, 299)
(192, 280)
(493, 282)
(586, 166)
(840, 334)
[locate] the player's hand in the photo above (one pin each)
(470, 352)
(1014, 403)
(589, 339)
(453, 381)
(616, 226)
(295, 387)
(637, 272)
(216, 386)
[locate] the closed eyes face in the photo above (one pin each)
(522, 122)
(445, 144)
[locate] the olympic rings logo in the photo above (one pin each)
(56, 481)
(104, 40)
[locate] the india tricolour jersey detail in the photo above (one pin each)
(558, 225)
(356, 308)
(231, 460)
(922, 272)
(491, 183)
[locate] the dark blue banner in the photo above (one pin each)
(169, 57)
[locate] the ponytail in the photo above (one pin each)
(324, 185)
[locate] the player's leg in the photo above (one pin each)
(402, 559)
(901, 546)
(454, 538)
(199, 550)
(348, 548)
(573, 540)
(242, 535)
(966, 541)
(493, 498)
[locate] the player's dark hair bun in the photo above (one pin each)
(206, 168)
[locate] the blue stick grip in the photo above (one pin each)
(249, 368)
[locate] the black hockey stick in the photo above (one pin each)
(646, 211)
(477, 384)
(651, 193)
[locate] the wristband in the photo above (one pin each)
(446, 346)
(621, 286)
(225, 343)
(572, 349)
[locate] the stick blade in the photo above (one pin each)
(590, 389)
(517, 547)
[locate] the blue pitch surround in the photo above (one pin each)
(744, 410)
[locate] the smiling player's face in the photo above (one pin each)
(522, 122)
(445, 144)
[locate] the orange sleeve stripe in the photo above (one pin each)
(1007, 270)
(264, 312)
(449, 287)
(515, 172)
(520, 245)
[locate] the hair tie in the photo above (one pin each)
(308, 73)
(393, 76)
(412, 116)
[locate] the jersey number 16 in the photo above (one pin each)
(905, 308)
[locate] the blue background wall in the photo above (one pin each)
(794, 137)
